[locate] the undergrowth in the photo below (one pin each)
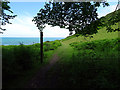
(17, 60)
(95, 65)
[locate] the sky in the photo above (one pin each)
(22, 25)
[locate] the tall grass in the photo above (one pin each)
(51, 45)
(19, 59)
(93, 65)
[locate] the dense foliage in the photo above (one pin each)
(111, 19)
(75, 16)
(17, 59)
(92, 65)
(51, 45)
(4, 18)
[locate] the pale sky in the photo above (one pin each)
(22, 25)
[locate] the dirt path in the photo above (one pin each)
(40, 80)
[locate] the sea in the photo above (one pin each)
(25, 40)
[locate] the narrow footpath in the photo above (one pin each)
(40, 80)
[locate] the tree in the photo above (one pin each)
(75, 16)
(41, 21)
(111, 19)
(114, 19)
(4, 18)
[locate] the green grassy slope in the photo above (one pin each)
(89, 63)
(102, 32)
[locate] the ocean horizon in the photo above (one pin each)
(26, 40)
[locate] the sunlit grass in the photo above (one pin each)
(88, 65)
(102, 34)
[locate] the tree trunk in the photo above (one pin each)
(41, 46)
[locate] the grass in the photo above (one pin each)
(90, 64)
(23, 80)
(21, 62)
(102, 34)
(83, 61)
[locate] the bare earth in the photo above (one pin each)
(40, 80)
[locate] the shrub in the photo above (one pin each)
(96, 65)
(51, 45)
(17, 59)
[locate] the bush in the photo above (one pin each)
(51, 45)
(94, 64)
(100, 45)
(17, 59)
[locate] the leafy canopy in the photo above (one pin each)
(4, 18)
(75, 16)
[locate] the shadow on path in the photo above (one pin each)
(40, 80)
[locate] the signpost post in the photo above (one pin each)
(41, 46)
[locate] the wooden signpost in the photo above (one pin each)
(41, 46)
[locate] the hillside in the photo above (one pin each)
(102, 32)
(73, 62)
(86, 62)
